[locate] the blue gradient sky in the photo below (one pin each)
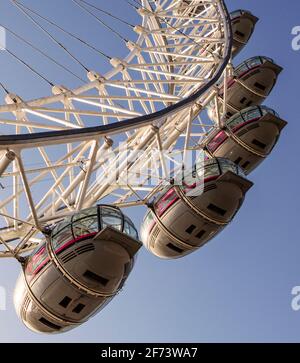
(236, 288)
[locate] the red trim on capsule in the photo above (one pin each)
(232, 81)
(161, 212)
(215, 147)
(59, 250)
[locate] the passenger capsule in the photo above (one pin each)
(253, 81)
(243, 25)
(184, 218)
(248, 137)
(83, 264)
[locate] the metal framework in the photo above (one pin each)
(66, 152)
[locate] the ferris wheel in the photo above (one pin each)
(173, 127)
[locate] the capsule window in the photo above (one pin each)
(247, 163)
(259, 86)
(229, 114)
(243, 132)
(259, 144)
(200, 234)
(78, 308)
(174, 248)
(216, 209)
(238, 160)
(65, 301)
(242, 101)
(49, 324)
(191, 229)
(94, 277)
(240, 34)
(209, 187)
(249, 103)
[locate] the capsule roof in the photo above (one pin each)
(224, 165)
(214, 167)
(207, 168)
(251, 113)
(237, 13)
(103, 216)
(256, 112)
(255, 62)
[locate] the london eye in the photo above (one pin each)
(173, 127)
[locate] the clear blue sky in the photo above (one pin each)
(236, 288)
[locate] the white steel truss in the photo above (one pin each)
(104, 141)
